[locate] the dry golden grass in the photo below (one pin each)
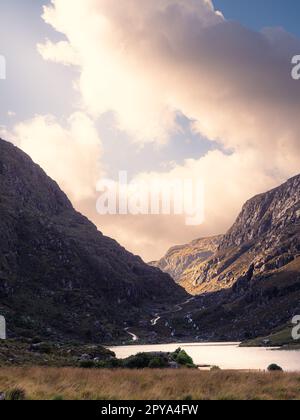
(79, 384)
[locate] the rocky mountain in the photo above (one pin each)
(250, 285)
(59, 276)
(186, 258)
(264, 238)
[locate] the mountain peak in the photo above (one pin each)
(59, 276)
(269, 211)
(266, 236)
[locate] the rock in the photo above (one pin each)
(249, 286)
(85, 357)
(182, 258)
(67, 275)
(173, 365)
(264, 238)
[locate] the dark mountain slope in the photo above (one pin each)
(265, 237)
(59, 276)
(250, 285)
(185, 258)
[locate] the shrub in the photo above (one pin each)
(36, 340)
(109, 364)
(16, 394)
(158, 363)
(58, 398)
(215, 369)
(146, 360)
(140, 361)
(182, 358)
(87, 364)
(275, 368)
(43, 348)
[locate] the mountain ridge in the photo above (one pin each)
(59, 276)
(265, 235)
(250, 286)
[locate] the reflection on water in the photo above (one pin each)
(224, 355)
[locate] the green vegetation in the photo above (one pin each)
(35, 353)
(275, 368)
(182, 358)
(281, 337)
(153, 360)
(15, 394)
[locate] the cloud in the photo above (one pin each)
(68, 152)
(147, 61)
(122, 52)
(229, 181)
(61, 52)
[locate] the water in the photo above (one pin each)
(226, 356)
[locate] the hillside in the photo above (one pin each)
(264, 238)
(249, 286)
(181, 259)
(60, 278)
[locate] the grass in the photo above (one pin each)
(282, 337)
(81, 384)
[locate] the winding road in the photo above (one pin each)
(133, 336)
(159, 316)
(178, 308)
(155, 320)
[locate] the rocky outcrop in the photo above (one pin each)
(59, 276)
(249, 286)
(264, 238)
(185, 258)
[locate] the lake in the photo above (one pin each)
(224, 355)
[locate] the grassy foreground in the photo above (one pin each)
(81, 384)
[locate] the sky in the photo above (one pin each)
(258, 14)
(163, 89)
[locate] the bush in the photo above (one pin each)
(146, 360)
(110, 364)
(215, 369)
(58, 398)
(158, 363)
(43, 348)
(87, 364)
(140, 361)
(16, 394)
(275, 368)
(182, 358)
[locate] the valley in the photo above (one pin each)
(247, 282)
(233, 287)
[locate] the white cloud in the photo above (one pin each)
(118, 45)
(61, 52)
(70, 155)
(147, 60)
(229, 181)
